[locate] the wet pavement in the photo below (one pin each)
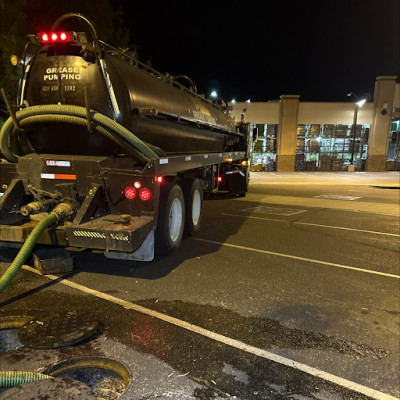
(273, 300)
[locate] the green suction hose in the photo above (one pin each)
(61, 111)
(26, 249)
(15, 378)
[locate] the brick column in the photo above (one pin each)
(287, 134)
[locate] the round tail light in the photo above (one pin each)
(145, 194)
(130, 193)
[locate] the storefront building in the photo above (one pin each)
(290, 135)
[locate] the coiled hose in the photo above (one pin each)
(14, 378)
(25, 250)
(73, 115)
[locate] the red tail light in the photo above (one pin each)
(56, 37)
(145, 194)
(130, 193)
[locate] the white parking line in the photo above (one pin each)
(310, 224)
(311, 260)
(337, 380)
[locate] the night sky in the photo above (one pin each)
(259, 50)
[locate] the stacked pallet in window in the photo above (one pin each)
(270, 145)
(269, 166)
(337, 164)
(301, 134)
(272, 130)
(358, 131)
(313, 145)
(315, 130)
(341, 131)
(311, 165)
(328, 131)
(356, 147)
(300, 164)
(325, 162)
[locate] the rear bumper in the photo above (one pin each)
(105, 233)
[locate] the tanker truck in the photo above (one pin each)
(119, 154)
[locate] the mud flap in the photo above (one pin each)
(237, 182)
(144, 253)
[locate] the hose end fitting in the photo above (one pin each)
(65, 209)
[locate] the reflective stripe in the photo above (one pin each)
(58, 176)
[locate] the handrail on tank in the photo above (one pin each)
(64, 17)
(133, 61)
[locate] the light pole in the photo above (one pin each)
(358, 105)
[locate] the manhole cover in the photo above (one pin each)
(52, 388)
(59, 330)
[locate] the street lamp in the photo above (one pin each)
(358, 105)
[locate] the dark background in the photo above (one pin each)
(255, 50)
(260, 50)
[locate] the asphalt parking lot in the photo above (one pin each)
(289, 293)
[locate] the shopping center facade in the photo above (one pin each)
(291, 135)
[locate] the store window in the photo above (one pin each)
(393, 154)
(264, 146)
(331, 147)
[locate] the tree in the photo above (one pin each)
(12, 41)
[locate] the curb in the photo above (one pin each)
(385, 186)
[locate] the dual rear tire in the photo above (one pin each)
(179, 212)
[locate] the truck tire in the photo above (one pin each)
(193, 206)
(171, 220)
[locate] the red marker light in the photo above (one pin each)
(130, 193)
(145, 194)
(54, 36)
(159, 179)
(45, 37)
(219, 179)
(63, 36)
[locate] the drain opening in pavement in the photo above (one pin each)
(108, 379)
(9, 330)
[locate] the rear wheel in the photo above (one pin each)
(171, 219)
(193, 206)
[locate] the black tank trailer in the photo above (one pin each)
(120, 153)
(157, 108)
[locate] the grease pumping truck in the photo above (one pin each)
(103, 152)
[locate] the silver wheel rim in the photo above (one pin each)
(196, 207)
(175, 219)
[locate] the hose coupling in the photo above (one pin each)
(36, 207)
(65, 209)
